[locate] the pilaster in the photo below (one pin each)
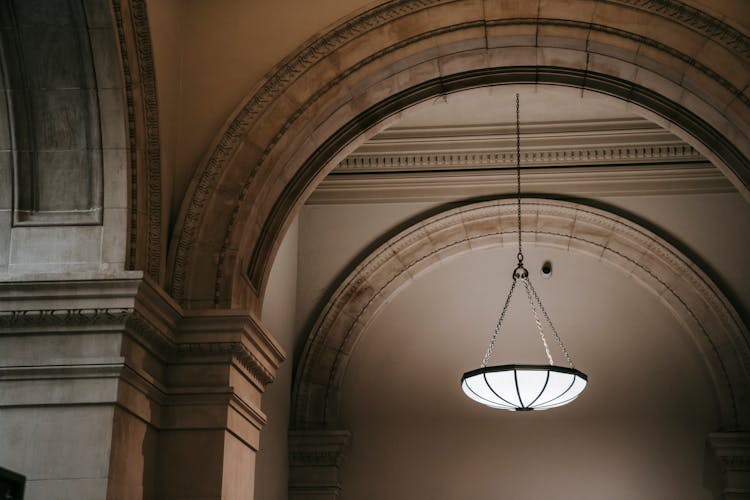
(221, 363)
(732, 449)
(315, 461)
(153, 401)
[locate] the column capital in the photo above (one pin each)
(315, 460)
(732, 450)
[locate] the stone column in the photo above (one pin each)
(109, 390)
(211, 418)
(315, 460)
(732, 449)
(70, 399)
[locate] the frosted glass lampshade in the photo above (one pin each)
(523, 387)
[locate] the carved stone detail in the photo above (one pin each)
(604, 142)
(705, 24)
(144, 313)
(482, 159)
(732, 450)
(315, 460)
(63, 317)
(134, 32)
(237, 350)
(707, 315)
(290, 70)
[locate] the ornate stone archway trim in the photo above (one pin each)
(697, 302)
(282, 138)
(146, 238)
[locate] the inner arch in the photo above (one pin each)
(696, 302)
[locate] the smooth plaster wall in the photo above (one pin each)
(528, 461)
(714, 228)
(331, 237)
(210, 55)
(638, 430)
(272, 466)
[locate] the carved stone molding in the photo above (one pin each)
(256, 104)
(63, 318)
(236, 350)
(315, 460)
(732, 450)
(707, 25)
(252, 114)
(604, 142)
(589, 181)
(145, 245)
(681, 285)
(135, 305)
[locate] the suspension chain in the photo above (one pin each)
(527, 286)
(497, 327)
(522, 274)
(552, 327)
(518, 175)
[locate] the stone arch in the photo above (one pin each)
(697, 303)
(147, 239)
(674, 63)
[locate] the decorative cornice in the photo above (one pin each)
(315, 448)
(63, 318)
(159, 339)
(134, 304)
(732, 449)
(475, 159)
(140, 326)
(590, 181)
(603, 142)
(237, 350)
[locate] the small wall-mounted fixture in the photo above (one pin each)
(546, 269)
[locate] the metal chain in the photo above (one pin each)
(518, 174)
(497, 327)
(552, 327)
(527, 286)
(522, 274)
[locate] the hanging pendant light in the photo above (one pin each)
(524, 387)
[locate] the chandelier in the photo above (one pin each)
(524, 387)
